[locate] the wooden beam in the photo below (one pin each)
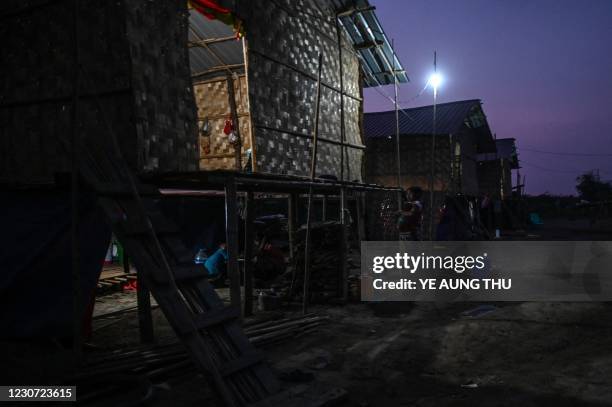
(313, 171)
(208, 41)
(231, 230)
(234, 112)
(145, 317)
(324, 208)
(230, 67)
(292, 226)
(343, 247)
(361, 230)
(248, 254)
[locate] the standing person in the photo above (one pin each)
(485, 211)
(410, 220)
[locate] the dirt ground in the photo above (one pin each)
(440, 354)
(428, 354)
(416, 354)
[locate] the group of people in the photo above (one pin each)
(459, 218)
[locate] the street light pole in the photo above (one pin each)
(435, 81)
(397, 131)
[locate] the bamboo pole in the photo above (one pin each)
(234, 113)
(231, 230)
(248, 254)
(313, 167)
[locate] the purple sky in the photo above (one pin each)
(543, 69)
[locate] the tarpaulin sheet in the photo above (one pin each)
(36, 291)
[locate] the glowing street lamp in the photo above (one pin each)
(435, 80)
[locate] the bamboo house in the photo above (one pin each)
(263, 70)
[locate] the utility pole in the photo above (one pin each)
(432, 161)
(397, 131)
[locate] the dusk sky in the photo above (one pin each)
(543, 69)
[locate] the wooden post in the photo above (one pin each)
(126, 262)
(313, 169)
(145, 317)
(324, 208)
(360, 221)
(343, 247)
(234, 112)
(231, 230)
(248, 254)
(292, 224)
(77, 327)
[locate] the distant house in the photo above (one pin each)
(462, 135)
(495, 169)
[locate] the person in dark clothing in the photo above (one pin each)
(410, 219)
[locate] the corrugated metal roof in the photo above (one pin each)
(363, 27)
(214, 55)
(419, 121)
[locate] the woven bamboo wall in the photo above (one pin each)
(212, 102)
(415, 158)
(161, 80)
(284, 40)
(135, 81)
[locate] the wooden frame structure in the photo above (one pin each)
(232, 184)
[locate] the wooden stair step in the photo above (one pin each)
(212, 318)
(241, 363)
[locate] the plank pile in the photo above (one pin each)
(169, 362)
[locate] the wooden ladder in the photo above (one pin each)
(210, 331)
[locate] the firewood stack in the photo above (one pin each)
(326, 267)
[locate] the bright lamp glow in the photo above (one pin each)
(435, 80)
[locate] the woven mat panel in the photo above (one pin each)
(354, 159)
(212, 98)
(286, 154)
(36, 51)
(212, 102)
(284, 44)
(134, 59)
(381, 156)
(164, 101)
(219, 145)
